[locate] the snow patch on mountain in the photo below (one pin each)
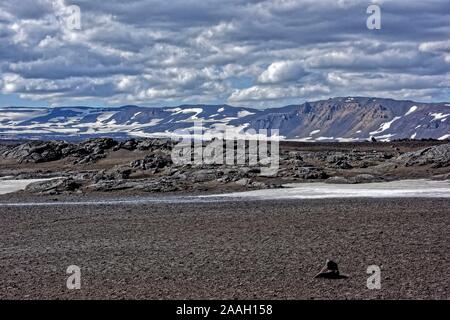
(244, 113)
(197, 111)
(411, 110)
(439, 116)
(105, 116)
(385, 126)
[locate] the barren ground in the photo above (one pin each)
(254, 250)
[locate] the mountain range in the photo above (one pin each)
(334, 119)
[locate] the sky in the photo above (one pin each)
(254, 53)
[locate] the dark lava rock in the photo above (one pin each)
(47, 151)
(360, 178)
(152, 162)
(437, 156)
(311, 173)
(161, 144)
(54, 186)
(330, 271)
(365, 178)
(92, 150)
(204, 175)
(114, 174)
(127, 145)
(37, 151)
(112, 185)
(341, 164)
(338, 180)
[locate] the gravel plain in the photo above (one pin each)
(227, 250)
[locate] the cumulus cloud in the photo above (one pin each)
(435, 46)
(282, 71)
(246, 52)
(258, 93)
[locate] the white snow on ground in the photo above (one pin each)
(314, 132)
(152, 123)
(197, 111)
(320, 190)
(17, 116)
(384, 126)
(135, 115)
(385, 138)
(396, 189)
(105, 116)
(414, 135)
(57, 119)
(174, 110)
(244, 113)
(112, 127)
(8, 186)
(347, 139)
(324, 138)
(411, 110)
(306, 139)
(439, 116)
(34, 131)
(62, 130)
(217, 130)
(447, 136)
(221, 110)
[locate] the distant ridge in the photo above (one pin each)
(334, 119)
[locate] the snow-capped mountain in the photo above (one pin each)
(337, 119)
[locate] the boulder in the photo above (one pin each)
(243, 182)
(330, 271)
(364, 178)
(312, 173)
(436, 156)
(152, 162)
(127, 145)
(204, 175)
(113, 174)
(54, 186)
(338, 180)
(37, 151)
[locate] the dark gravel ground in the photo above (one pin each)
(245, 250)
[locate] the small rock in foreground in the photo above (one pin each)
(330, 271)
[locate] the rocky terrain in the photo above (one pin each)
(238, 249)
(145, 165)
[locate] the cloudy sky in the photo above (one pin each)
(254, 53)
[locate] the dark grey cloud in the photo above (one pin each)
(245, 52)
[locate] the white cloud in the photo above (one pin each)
(435, 46)
(281, 71)
(276, 93)
(153, 51)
